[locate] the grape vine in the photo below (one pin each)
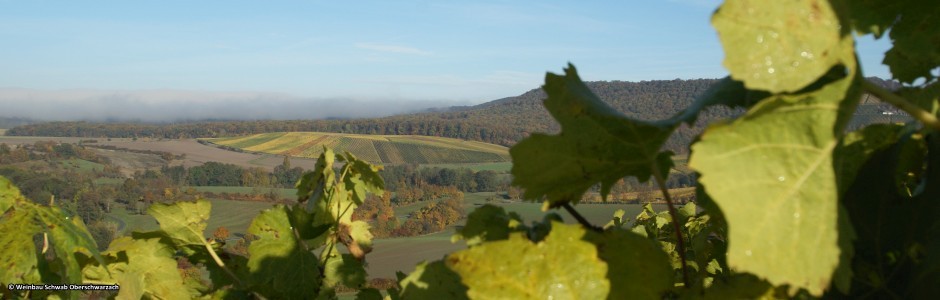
(789, 202)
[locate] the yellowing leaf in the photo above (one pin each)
(633, 259)
(560, 267)
(772, 174)
(9, 194)
(277, 250)
(18, 258)
(144, 268)
(184, 222)
(780, 46)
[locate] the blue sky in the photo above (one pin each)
(459, 51)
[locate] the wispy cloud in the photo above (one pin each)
(392, 48)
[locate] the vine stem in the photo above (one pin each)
(221, 264)
(661, 181)
(580, 218)
(915, 111)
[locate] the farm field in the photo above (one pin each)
(501, 167)
(195, 153)
(383, 149)
(284, 193)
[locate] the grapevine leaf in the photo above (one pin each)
(516, 268)
(740, 286)
(67, 237)
(727, 92)
(19, 256)
(687, 211)
(781, 46)
(313, 185)
(853, 152)
(857, 146)
(782, 213)
(433, 281)
(916, 42)
(362, 178)
(898, 229)
(9, 194)
(927, 98)
(343, 269)
(361, 243)
(913, 30)
(909, 172)
(369, 294)
(183, 222)
(277, 249)
(303, 223)
(873, 16)
(142, 268)
(484, 224)
(596, 145)
(631, 258)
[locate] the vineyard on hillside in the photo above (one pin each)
(383, 149)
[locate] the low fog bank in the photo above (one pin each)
(174, 106)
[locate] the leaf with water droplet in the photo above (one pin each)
(516, 268)
(799, 134)
(802, 40)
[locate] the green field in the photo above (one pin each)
(109, 181)
(383, 149)
(502, 167)
(284, 193)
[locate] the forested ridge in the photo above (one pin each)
(503, 121)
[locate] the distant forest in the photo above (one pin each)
(504, 121)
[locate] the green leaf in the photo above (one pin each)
(909, 172)
(433, 281)
(18, 259)
(369, 294)
(343, 269)
(67, 236)
(857, 147)
(361, 237)
(183, 222)
(637, 268)
(486, 223)
(362, 178)
(516, 268)
(9, 194)
(312, 185)
(596, 145)
(916, 41)
(728, 92)
(303, 223)
(739, 286)
(889, 237)
(781, 213)
(276, 250)
(143, 269)
(780, 46)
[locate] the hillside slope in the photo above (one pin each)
(384, 149)
(503, 122)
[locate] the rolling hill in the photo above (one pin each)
(384, 149)
(504, 121)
